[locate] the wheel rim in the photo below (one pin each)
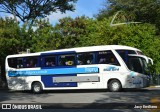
(37, 88)
(115, 86)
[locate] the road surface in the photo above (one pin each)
(88, 99)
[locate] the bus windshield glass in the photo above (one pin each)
(137, 64)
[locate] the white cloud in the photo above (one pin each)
(54, 17)
(4, 15)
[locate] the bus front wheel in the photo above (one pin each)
(114, 86)
(36, 87)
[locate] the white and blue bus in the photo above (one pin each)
(96, 67)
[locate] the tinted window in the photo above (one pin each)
(20, 63)
(31, 62)
(12, 62)
(15, 62)
(128, 51)
(123, 54)
(50, 61)
(67, 60)
(134, 64)
(85, 58)
(107, 57)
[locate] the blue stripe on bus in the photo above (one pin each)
(54, 71)
(48, 81)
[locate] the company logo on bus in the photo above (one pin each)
(111, 68)
(91, 70)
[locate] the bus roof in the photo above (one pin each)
(80, 49)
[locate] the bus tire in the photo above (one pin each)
(114, 86)
(37, 87)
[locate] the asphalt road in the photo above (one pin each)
(84, 98)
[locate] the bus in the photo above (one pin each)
(112, 67)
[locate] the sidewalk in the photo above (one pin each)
(156, 86)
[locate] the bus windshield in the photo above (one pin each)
(138, 64)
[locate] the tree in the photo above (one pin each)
(10, 41)
(145, 11)
(141, 36)
(66, 34)
(26, 35)
(34, 9)
(45, 37)
(72, 30)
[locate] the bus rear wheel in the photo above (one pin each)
(114, 86)
(37, 87)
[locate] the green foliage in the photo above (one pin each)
(66, 34)
(26, 34)
(83, 31)
(72, 30)
(44, 37)
(9, 41)
(78, 32)
(143, 36)
(146, 11)
(9, 37)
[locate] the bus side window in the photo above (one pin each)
(112, 59)
(32, 62)
(85, 58)
(12, 62)
(107, 57)
(50, 61)
(102, 57)
(19, 62)
(15, 62)
(67, 60)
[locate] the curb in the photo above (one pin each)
(158, 86)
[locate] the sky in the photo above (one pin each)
(88, 8)
(83, 7)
